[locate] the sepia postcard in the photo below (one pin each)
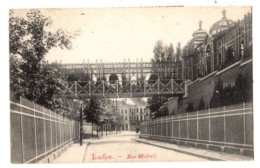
(133, 84)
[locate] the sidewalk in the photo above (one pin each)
(203, 153)
(76, 153)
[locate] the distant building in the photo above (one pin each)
(138, 113)
(133, 111)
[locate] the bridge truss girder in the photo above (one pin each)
(125, 89)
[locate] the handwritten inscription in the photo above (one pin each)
(128, 156)
(141, 156)
(101, 157)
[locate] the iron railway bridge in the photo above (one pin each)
(122, 80)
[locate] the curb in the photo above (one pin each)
(55, 154)
(182, 151)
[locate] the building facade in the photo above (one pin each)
(226, 43)
(133, 111)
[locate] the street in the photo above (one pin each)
(120, 148)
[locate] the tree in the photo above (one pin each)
(170, 53)
(216, 99)
(29, 42)
(92, 112)
(152, 79)
(110, 115)
(118, 119)
(155, 103)
(158, 51)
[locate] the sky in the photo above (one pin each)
(115, 34)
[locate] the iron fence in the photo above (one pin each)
(36, 131)
(228, 126)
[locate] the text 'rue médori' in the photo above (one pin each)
(128, 156)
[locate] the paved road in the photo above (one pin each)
(120, 148)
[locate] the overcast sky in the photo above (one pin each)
(112, 34)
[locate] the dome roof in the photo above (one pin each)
(199, 35)
(221, 25)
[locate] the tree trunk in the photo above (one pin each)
(97, 130)
(92, 129)
(106, 129)
(102, 129)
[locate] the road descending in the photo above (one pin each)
(121, 148)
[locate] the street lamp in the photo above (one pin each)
(81, 120)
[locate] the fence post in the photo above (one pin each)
(21, 129)
(225, 140)
(75, 83)
(89, 87)
(197, 124)
(161, 126)
(187, 126)
(56, 129)
(44, 132)
(35, 130)
(146, 127)
(209, 125)
(158, 86)
(153, 133)
(70, 129)
(50, 128)
(172, 127)
(179, 126)
(172, 86)
(244, 121)
(60, 119)
(63, 130)
(166, 125)
(103, 88)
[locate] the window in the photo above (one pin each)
(125, 118)
(126, 111)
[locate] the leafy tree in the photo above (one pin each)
(153, 78)
(239, 93)
(155, 103)
(158, 51)
(178, 52)
(118, 119)
(170, 53)
(216, 100)
(29, 42)
(92, 112)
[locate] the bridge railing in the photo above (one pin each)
(228, 129)
(126, 88)
(36, 131)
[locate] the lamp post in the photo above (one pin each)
(81, 125)
(81, 121)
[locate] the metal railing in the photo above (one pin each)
(36, 131)
(230, 126)
(126, 88)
